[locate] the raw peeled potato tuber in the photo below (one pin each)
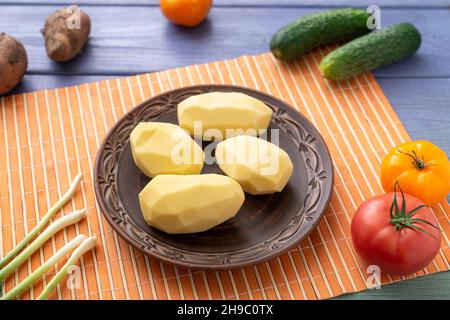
(66, 32)
(13, 62)
(223, 115)
(190, 203)
(165, 148)
(259, 166)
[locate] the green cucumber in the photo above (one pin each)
(371, 51)
(318, 29)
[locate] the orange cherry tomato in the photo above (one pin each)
(422, 169)
(188, 13)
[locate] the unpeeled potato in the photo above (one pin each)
(66, 32)
(13, 62)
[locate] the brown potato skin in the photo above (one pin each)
(62, 43)
(13, 62)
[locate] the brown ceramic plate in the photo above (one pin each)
(265, 226)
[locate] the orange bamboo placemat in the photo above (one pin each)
(49, 136)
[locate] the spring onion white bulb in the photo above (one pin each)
(84, 247)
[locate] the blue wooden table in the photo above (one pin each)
(131, 36)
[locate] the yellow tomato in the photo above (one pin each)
(422, 169)
(188, 13)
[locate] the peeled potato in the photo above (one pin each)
(259, 166)
(190, 203)
(164, 148)
(223, 115)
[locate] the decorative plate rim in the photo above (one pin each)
(285, 240)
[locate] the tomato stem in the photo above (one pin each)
(417, 162)
(400, 219)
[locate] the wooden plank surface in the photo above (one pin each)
(423, 107)
(132, 37)
(149, 43)
(255, 3)
(35, 82)
(432, 287)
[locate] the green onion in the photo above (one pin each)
(84, 247)
(25, 284)
(58, 205)
(51, 230)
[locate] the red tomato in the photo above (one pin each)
(399, 243)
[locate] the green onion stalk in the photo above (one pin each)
(50, 213)
(84, 247)
(49, 232)
(28, 281)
